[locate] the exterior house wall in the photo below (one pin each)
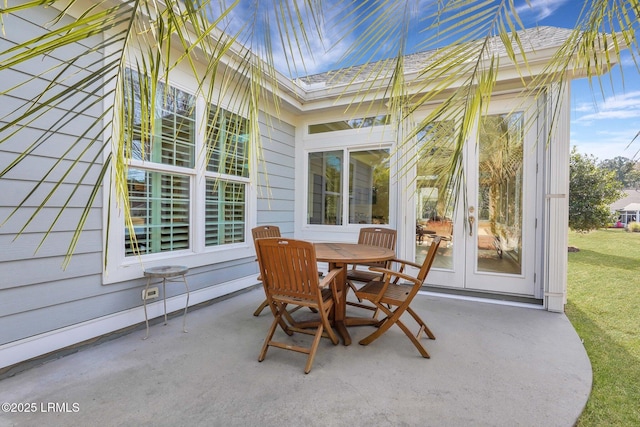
(37, 294)
(45, 307)
(276, 178)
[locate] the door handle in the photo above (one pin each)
(472, 220)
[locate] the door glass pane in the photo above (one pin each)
(500, 160)
(369, 187)
(434, 207)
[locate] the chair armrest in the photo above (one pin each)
(396, 274)
(330, 280)
(404, 262)
(400, 272)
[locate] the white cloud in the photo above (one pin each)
(541, 8)
(625, 106)
(611, 115)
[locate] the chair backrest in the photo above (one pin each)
(377, 236)
(265, 231)
(428, 260)
(288, 268)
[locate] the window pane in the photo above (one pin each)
(227, 138)
(172, 141)
(159, 210)
(434, 209)
(224, 212)
(364, 122)
(369, 187)
(324, 205)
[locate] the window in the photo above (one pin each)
(174, 194)
(325, 188)
(364, 122)
(160, 211)
(225, 207)
(367, 187)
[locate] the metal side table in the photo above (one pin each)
(166, 273)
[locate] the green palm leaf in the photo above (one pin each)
(465, 42)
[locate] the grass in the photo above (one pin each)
(604, 307)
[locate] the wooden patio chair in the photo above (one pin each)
(394, 298)
(290, 277)
(258, 233)
(374, 236)
(261, 232)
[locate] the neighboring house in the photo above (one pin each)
(331, 170)
(627, 208)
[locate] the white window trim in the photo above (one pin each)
(347, 150)
(121, 268)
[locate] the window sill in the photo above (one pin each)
(132, 268)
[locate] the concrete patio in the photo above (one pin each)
(491, 365)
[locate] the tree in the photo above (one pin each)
(591, 191)
(625, 170)
(466, 36)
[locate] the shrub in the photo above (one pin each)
(634, 227)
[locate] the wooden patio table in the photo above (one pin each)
(341, 255)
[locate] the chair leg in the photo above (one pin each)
(265, 346)
(423, 326)
(354, 289)
(278, 315)
(393, 317)
(261, 307)
(313, 348)
(414, 340)
(382, 326)
(330, 333)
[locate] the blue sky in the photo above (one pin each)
(604, 119)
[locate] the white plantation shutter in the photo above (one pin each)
(160, 211)
(174, 213)
(224, 212)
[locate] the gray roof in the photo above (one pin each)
(532, 39)
(632, 197)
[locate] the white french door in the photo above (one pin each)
(490, 236)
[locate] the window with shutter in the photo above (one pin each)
(224, 212)
(227, 169)
(159, 200)
(167, 179)
(160, 212)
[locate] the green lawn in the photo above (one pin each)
(604, 307)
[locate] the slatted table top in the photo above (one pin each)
(351, 253)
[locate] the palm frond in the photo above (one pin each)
(463, 42)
